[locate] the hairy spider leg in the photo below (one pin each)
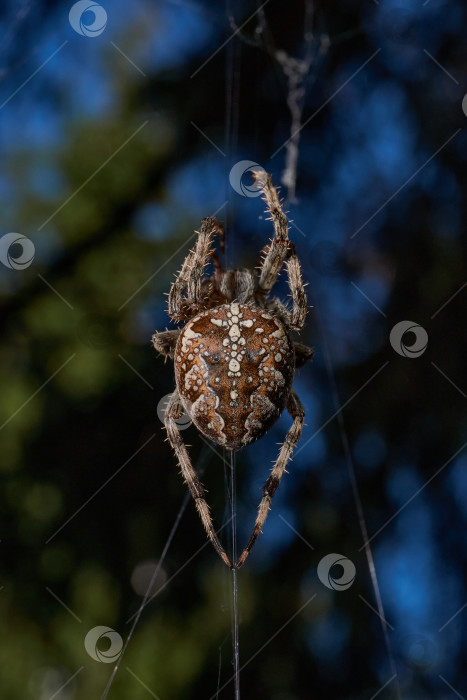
(186, 296)
(174, 411)
(297, 289)
(275, 252)
(278, 251)
(295, 408)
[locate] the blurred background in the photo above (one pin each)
(120, 125)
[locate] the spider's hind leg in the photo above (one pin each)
(174, 410)
(297, 412)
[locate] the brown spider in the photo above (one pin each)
(234, 359)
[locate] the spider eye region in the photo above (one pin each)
(234, 369)
(213, 357)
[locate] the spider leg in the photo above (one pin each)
(186, 295)
(303, 354)
(297, 288)
(281, 250)
(278, 309)
(275, 252)
(297, 412)
(165, 342)
(174, 411)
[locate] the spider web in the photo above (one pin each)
(300, 74)
(358, 502)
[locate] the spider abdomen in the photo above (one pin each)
(234, 368)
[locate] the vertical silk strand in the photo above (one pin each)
(359, 508)
(235, 641)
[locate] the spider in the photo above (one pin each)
(234, 359)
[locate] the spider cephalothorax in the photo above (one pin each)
(234, 359)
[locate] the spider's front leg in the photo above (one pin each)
(276, 252)
(186, 296)
(281, 250)
(174, 411)
(297, 289)
(295, 408)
